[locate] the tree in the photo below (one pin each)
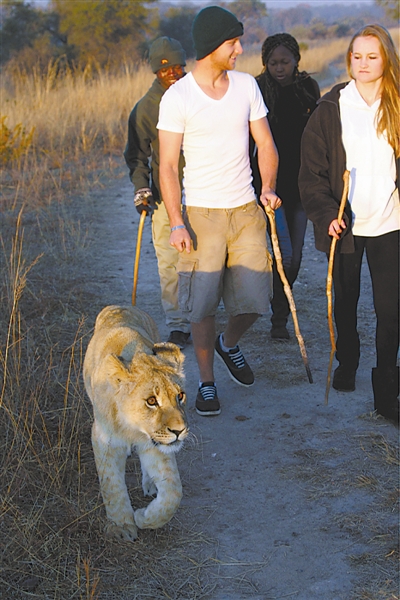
(295, 16)
(177, 23)
(250, 13)
(107, 31)
(391, 8)
(318, 30)
(251, 9)
(27, 29)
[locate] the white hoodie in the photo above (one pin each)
(370, 159)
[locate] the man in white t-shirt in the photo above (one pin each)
(221, 231)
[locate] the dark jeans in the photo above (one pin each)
(290, 228)
(383, 261)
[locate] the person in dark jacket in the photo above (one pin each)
(291, 97)
(167, 60)
(355, 128)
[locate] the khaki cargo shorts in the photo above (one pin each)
(229, 260)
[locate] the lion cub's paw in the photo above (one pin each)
(141, 519)
(124, 533)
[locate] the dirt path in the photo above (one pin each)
(286, 497)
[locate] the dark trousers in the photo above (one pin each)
(383, 261)
(290, 228)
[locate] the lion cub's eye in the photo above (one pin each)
(181, 397)
(152, 401)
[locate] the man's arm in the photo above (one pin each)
(137, 154)
(138, 150)
(170, 148)
(267, 161)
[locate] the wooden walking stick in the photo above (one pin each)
(346, 176)
(286, 287)
(137, 255)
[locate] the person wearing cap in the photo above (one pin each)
(221, 230)
(167, 61)
(291, 97)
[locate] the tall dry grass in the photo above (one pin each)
(78, 121)
(42, 412)
(71, 112)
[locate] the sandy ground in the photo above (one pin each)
(294, 498)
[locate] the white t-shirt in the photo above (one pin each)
(370, 159)
(217, 173)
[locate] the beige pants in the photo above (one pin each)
(229, 260)
(167, 259)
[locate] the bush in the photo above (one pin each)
(14, 143)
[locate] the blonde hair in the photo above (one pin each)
(388, 116)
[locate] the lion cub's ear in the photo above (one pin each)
(116, 368)
(170, 353)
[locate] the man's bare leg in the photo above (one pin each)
(236, 327)
(203, 336)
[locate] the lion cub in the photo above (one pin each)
(135, 384)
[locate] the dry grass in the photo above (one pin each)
(52, 519)
(79, 122)
(74, 112)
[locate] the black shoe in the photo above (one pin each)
(279, 333)
(207, 403)
(344, 379)
(236, 363)
(390, 412)
(179, 338)
(385, 384)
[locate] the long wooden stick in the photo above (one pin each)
(287, 289)
(343, 201)
(137, 255)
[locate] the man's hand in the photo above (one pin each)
(180, 239)
(336, 228)
(144, 200)
(269, 198)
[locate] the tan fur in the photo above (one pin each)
(135, 384)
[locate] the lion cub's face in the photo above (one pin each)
(149, 401)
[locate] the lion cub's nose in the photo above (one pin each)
(177, 432)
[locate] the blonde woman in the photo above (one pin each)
(356, 127)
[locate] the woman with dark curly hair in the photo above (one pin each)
(291, 97)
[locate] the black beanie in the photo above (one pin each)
(212, 27)
(165, 52)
